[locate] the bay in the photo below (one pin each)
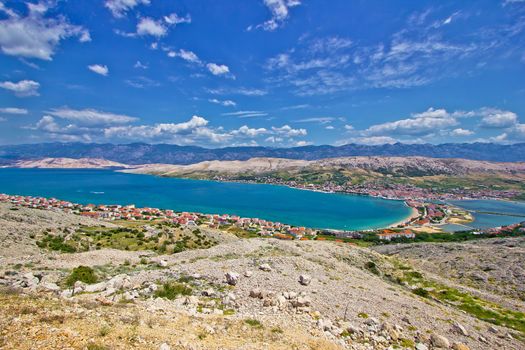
(270, 202)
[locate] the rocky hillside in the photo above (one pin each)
(400, 166)
(279, 294)
(68, 163)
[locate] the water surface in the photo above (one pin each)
(274, 203)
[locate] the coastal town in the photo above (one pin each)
(387, 190)
(425, 218)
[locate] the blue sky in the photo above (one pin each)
(274, 73)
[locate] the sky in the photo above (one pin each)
(277, 73)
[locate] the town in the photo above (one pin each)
(424, 219)
(388, 190)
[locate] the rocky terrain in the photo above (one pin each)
(68, 163)
(407, 166)
(235, 294)
(493, 267)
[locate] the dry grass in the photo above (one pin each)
(30, 322)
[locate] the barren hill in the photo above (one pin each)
(68, 163)
(279, 294)
(385, 165)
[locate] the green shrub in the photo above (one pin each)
(82, 273)
(171, 290)
(422, 292)
(254, 323)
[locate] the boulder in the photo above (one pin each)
(95, 288)
(163, 263)
(458, 328)
(49, 286)
(265, 267)
(301, 302)
(232, 278)
(256, 293)
(164, 346)
(421, 346)
(305, 280)
(439, 341)
(460, 346)
(248, 273)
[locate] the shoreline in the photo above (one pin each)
(413, 215)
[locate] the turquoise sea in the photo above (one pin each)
(274, 203)
(492, 213)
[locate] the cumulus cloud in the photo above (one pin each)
(280, 11)
(288, 131)
(99, 69)
(23, 88)
(251, 132)
(119, 7)
(218, 69)
(186, 55)
(36, 36)
(461, 132)
(419, 124)
(497, 118)
(149, 26)
(13, 110)
(91, 117)
(157, 28)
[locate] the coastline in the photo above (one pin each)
(413, 215)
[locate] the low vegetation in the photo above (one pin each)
(161, 237)
(171, 290)
(83, 274)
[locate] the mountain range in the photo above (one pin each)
(142, 153)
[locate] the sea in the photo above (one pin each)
(270, 202)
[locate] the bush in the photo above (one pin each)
(254, 323)
(371, 266)
(171, 290)
(82, 273)
(422, 292)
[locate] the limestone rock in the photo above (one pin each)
(439, 341)
(232, 278)
(305, 279)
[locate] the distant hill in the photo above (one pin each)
(141, 153)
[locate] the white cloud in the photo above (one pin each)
(185, 55)
(461, 132)
(119, 7)
(13, 110)
(330, 127)
(218, 69)
(226, 103)
(91, 117)
(320, 120)
(251, 132)
(349, 127)
(239, 91)
(141, 82)
(303, 143)
(99, 69)
(175, 19)
(497, 118)
(35, 36)
(280, 10)
(23, 88)
(148, 26)
(423, 123)
(246, 114)
(140, 65)
(288, 131)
